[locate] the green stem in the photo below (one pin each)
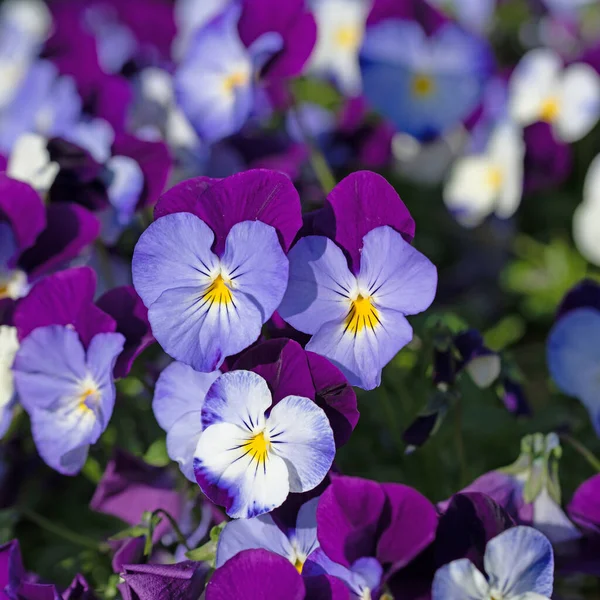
(67, 534)
(591, 458)
(174, 525)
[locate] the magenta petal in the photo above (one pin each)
(421, 11)
(412, 525)
(70, 228)
(127, 309)
(584, 508)
(111, 100)
(289, 19)
(157, 582)
(65, 298)
(22, 207)
(256, 575)
(255, 195)
(154, 160)
(348, 518)
(130, 487)
(359, 203)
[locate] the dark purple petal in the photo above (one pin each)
(154, 160)
(256, 575)
(7, 309)
(127, 552)
(292, 21)
(127, 309)
(11, 567)
(22, 207)
(65, 298)
(111, 99)
(375, 148)
(585, 294)
(584, 508)
(548, 162)
(421, 11)
(79, 590)
(359, 203)
(130, 487)
(76, 163)
(348, 518)
(181, 581)
(514, 398)
(70, 228)
(256, 195)
(411, 524)
(326, 587)
(37, 591)
(471, 520)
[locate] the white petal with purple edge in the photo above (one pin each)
(300, 433)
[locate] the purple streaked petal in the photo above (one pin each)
(230, 476)
(126, 308)
(359, 203)
(22, 207)
(256, 575)
(70, 228)
(320, 285)
(253, 195)
(246, 534)
(300, 434)
(238, 397)
(348, 518)
(398, 276)
(65, 298)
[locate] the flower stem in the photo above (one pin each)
(589, 456)
(67, 534)
(174, 525)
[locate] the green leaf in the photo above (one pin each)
(316, 91)
(130, 532)
(156, 454)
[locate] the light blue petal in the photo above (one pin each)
(247, 534)
(320, 284)
(180, 390)
(395, 274)
(305, 534)
(459, 580)
(395, 41)
(8, 246)
(573, 355)
(518, 561)
(369, 570)
(182, 439)
(300, 433)
(237, 397)
(48, 366)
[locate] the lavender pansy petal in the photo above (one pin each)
(23, 208)
(238, 397)
(348, 518)
(256, 575)
(247, 534)
(319, 286)
(459, 580)
(305, 534)
(69, 229)
(228, 475)
(180, 390)
(182, 439)
(398, 276)
(520, 560)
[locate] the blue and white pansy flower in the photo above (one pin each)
(252, 453)
(296, 545)
(519, 564)
(586, 219)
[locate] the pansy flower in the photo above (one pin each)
(212, 268)
(491, 182)
(519, 564)
(296, 544)
(64, 367)
(586, 219)
(542, 89)
(9, 344)
(356, 311)
(252, 453)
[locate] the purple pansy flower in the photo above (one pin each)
(263, 575)
(252, 453)
(356, 310)
(295, 544)
(213, 275)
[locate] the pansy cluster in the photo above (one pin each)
(209, 261)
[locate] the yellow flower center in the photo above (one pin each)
(3, 290)
(299, 564)
(218, 291)
(89, 394)
(348, 37)
(550, 109)
(235, 80)
(494, 178)
(422, 85)
(362, 314)
(258, 447)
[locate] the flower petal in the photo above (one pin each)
(182, 440)
(319, 287)
(305, 534)
(520, 560)
(231, 477)
(300, 434)
(460, 580)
